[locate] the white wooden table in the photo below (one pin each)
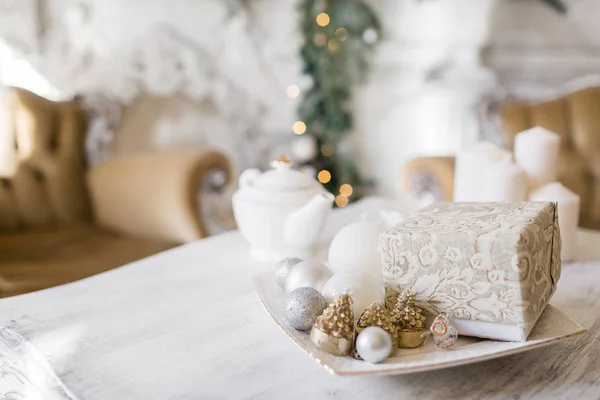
(186, 324)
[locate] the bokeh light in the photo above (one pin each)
(293, 91)
(320, 39)
(299, 127)
(327, 150)
(341, 34)
(341, 201)
(323, 19)
(324, 176)
(334, 45)
(346, 190)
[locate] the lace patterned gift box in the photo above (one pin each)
(492, 266)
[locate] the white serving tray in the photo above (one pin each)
(551, 327)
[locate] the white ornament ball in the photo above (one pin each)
(360, 286)
(373, 344)
(355, 248)
(283, 267)
(309, 273)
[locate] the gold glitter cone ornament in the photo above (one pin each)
(333, 331)
(377, 315)
(409, 321)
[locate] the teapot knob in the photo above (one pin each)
(282, 161)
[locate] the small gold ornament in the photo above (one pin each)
(333, 330)
(379, 316)
(409, 321)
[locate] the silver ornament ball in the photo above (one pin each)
(309, 273)
(373, 344)
(283, 267)
(302, 306)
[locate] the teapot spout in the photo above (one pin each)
(303, 226)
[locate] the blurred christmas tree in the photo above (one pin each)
(338, 39)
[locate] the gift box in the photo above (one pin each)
(491, 266)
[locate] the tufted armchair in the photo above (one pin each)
(575, 117)
(60, 221)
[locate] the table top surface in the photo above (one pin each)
(187, 324)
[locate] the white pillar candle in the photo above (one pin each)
(568, 214)
(469, 169)
(504, 181)
(536, 151)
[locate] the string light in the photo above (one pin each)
(346, 190)
(323, 19)
(327, 150)
(293, 91)
(299, 127)
(341, 34)
(324, 176)
(341, 201)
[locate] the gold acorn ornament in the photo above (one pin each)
(409, 320)
(333, 330)
(377, 315)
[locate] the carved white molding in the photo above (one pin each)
(166, 63)
(160, 55)
(105, 115)
(537, 73)
(161, 61)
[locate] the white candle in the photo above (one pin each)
(470, 167)
(536, 151)
(568, 214)
(504, 181)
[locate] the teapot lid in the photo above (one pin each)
(282, 178)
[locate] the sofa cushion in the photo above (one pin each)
(42, 183)
(40, 258)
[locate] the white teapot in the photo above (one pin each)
(280, 212)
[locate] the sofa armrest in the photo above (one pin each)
(429, 176)
(155, 195)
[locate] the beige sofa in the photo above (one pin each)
(61, 221)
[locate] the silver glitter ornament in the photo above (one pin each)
(373, 344)
(283, 267)
(303, 306)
